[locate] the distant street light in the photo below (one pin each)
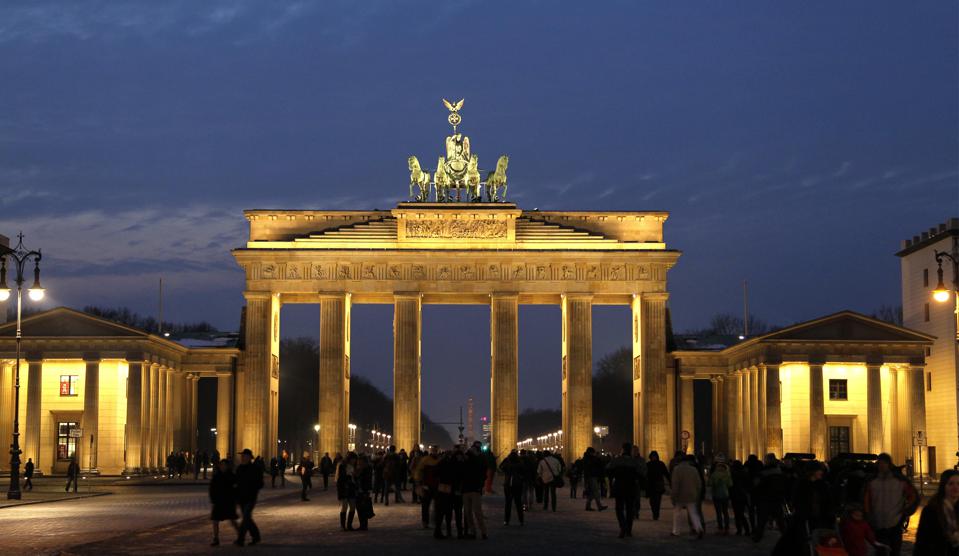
(19, 255)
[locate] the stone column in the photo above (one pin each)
(817, 413)
(159, 437)
(577, 350)
(745, 419)
(754, 412)
(761, 412)
(149, 404)
(91, 412)
(193, 406)
(178, 415)
(132, 463)
(260, 373)
(171, 409)
(224, 407)
(407, 341)
(731, 407)
(687, 410)
(917, 406)
(335, 372)
(658, 435)
(504, 373)
(639, 438)
(6, 410)
(874, 424)
(717, 412)
(774, 432)
(31, 439)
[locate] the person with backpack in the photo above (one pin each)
(889, 501)
(720, 484)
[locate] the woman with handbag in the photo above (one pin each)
(550, 473)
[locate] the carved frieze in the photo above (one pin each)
(453, 229)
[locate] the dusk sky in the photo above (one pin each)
(794, 145)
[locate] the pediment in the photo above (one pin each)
(68, 323)
(847, 326)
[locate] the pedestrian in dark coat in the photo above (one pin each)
(28, 474)
(938, 532)
(305, 471)
(249, 481)
(73, 475)
(513, 485)
(657, 477)
(624, 472)
(223, 498)
(364, 484)
(326, 469)
(274, 471)
(346, 490)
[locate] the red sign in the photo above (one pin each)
(64, 386)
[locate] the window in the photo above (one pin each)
(926, 307)
(66, 442)
(925, 277)
(839, 440)
(68, 385)
(838, 389)
(928, 351)
(929, 382)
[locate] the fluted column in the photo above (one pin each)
(91, 409)
(636, 311)
(745, 412)
(159, 438)
(817, 412)
(178, 414)
(761, 411)
(715, 388)
(224, 407)
(754, 412)
(732, 414)
(687, 419)
(335, 372)
(874, 424)
(149, 417)
(31, 438)
(504, 372)
(193, 407)
(774, 432)
(407, 341)
(577, 350)
(656, 430)
(917, 406)
(134, 426)
(261, 372)
(6, 410)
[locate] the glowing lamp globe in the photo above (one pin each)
(940, 294)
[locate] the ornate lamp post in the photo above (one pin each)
(941, 293)
(19, 256)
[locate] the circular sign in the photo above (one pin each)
(684, 435)
(454, 119)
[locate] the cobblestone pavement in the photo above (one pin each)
(150, 520)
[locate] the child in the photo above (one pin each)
(857, 535)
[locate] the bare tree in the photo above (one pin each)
(890, 314)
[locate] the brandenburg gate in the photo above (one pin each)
(465, 245)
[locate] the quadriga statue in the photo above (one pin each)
(496, 180)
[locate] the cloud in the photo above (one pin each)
(843, 168)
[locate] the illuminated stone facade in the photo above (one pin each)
(492, 254)
(131, 394)
(842, 383)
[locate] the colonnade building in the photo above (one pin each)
(114, 397)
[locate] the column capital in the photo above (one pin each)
(506, 295)
(33, 357)
(91, 357)
(654, 296)
(577, 296)
(408, 295)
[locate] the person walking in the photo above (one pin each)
(938, 531)
(739, 497)
(720, 483)
(274, 471)
(73, 475)
(326, 469)
(364, 484)
(657, 477)
(223, 499)
(641, 481)
(624, 471)
(474, 477)
(443, 498)
(550, 474)
(305, 471)
(424, 475)
(770, 495)
(890, 499)
(282, 463)
(686, 492)
(575, 474)
(205, 461)
(28, 475)
(593, 472)
(513, 487)
(346, 490)
(249, 481)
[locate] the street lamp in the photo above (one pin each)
(941, 293)
(19, 256)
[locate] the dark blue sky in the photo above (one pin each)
(794, 145)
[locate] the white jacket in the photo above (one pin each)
(548, 469)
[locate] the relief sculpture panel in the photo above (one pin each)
(451, 229)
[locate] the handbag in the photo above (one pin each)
(365, 507)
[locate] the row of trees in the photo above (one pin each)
(124, 315)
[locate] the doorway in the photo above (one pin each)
(838, 441)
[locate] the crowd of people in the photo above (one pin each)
(862, 506)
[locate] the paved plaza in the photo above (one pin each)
(172, 519)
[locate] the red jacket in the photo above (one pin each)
(856, 536)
